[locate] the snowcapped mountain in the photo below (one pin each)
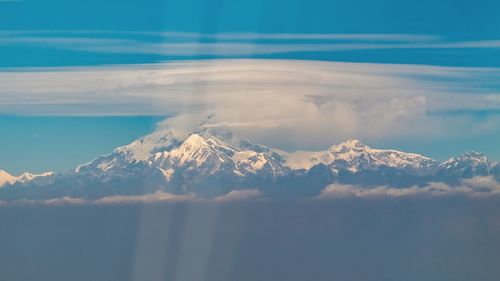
(354, 156)
(209, 155)
(25, 178)
(204, 161)
(471, 163)
(468, 165)
(140, 150)
(28, 177)
(6, 178)
(210, 163)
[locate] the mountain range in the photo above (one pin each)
(210, 163)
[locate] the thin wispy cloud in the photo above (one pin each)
(241, 36)
(186, 44)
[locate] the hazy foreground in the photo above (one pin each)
(342, 239)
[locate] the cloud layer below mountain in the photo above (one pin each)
(477, 187)
(156, 197)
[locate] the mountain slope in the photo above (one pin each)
(6, 178)
(466, 166)
(354, 156)
(204, 164)
(137, 151)
(24, 178)
(210, 163)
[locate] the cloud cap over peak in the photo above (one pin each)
(271, 100)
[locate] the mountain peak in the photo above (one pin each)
(348, 145)
(2, 172)
(143, 148)
(468, 157)
(213, 157)
(194, 140)
(353, 143)
(6, 178)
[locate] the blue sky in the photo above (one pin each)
(37, 36)
(449, 21)
(56, 143)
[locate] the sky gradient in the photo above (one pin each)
(78, 41)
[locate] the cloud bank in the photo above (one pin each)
(270, 100)
(156, 197)
(476, 187)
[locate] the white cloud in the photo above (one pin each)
(476, 187)
(494, 98)
(156, 197)
(380, 37)
(227, 49)
(269, 101)
(241, 36)
(187, 44)
(488, 184)
(239, 195)
(62, 201)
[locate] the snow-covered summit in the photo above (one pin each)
(137, 151)
(24, 178)
(211, 155)
(6, 178)
(359, 156)
(355, 156)
(196, 149)
(468, 164)
(470, 157)
(28, 177)
(147, 146)
(212, 161)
